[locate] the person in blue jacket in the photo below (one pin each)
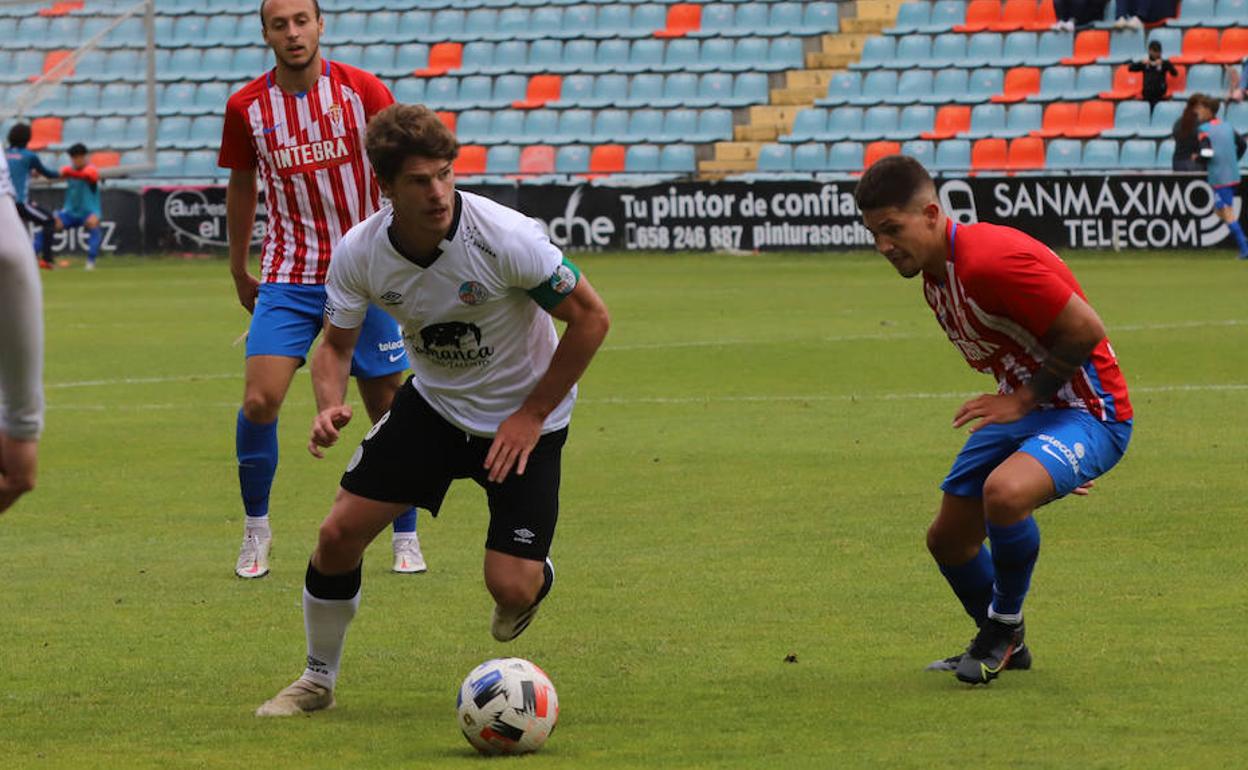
(22, 163)
(1220, 148)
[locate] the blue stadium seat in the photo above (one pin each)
(1237, 116)
(678, 159)
(202, 164)
(820, 18)
(223, 29)
(1203, 79)
(715, 89)
(612, 21)
(249, 62)
(844, 156)
(173, 131)
(478, 57)
(448, 24)
(1091, 81)
(749, 17)
(381, 26)
(808, 125)
(121, 99)
(1100, 154)
(880, 85)
(1161, 123)
(921, 150)
(647, 19)
(1229, 13)
(683, 55)
(680, 88)
(987, 120)
(186, 63)
(1018, 49)
(914, 120)
(1124, 46)
(842, 87)
(409, 57)
(749, 53)
(507, 126)
(176, 98)
(611, 89)
(1063, 154)
(188, 30)
(751, 88)
(678, 125)
(714, 125)
(572, 159)
(982, 84)
(952, 155)
(543, 56)
(410, 90)
(507, 89)
(843, 122)
(514, 23)
(644, 90)
(474, 91)
(442, 93)
(715, 55)
(378, 59)
(612, 56)
(1171, 40)
(113, 132)
(641, 158)
(912, 17)
(1165, 154)
(347, 54)
(1052, 47)
(783, 18)
(811, 156)
(645, 126)
(578, 21)
(168, 164)
(876, 52)
(578, 91)
(983, 49)
(878, 122)
(579, 56)
(415, 24)
(503, 159)
(775, 158)
(539, 126)
(912, 86)
(575, 126)
(1196, 13)
(1023, 118)
(121, 64)
(912, 51)
(206, 131)
(1129, 118)
(784, 53)
(610, 126)
(948, 50)
(947, 86)
(346, 26)
(718, 20)
(945, 14)
(1055, 83)
(473, 127)
(1137, 154)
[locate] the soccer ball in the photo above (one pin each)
(507, 706)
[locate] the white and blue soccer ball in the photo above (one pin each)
(507, 706)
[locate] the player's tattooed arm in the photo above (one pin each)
(1075, 333)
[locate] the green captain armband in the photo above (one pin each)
(559, 285)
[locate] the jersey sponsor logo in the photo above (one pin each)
(1068, 457)
(472, 293)
(311, 156)
(563, 281)
(454, 345)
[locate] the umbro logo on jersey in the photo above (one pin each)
(392, 298)
(524, 535)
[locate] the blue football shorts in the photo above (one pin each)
(1072, 445)
(288, 317)
(72, 219)
(1224, 197)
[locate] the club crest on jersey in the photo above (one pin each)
(472, 293)
(563, 281)
(334, 113)
(311, 156)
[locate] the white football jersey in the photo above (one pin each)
(477, 341)
(6, 184)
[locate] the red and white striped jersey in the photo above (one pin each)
(1002, 292)
(308, 150)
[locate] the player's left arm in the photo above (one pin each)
(587, 323)
(1073, 335)
(331, 369)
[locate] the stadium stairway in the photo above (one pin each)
(767, 123)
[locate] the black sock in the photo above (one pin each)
(331, 587)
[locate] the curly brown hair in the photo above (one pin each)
(401, 131)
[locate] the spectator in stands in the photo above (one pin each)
(1155, 70)
(1220, 148)
(1134, 14)
(22, 163)
(1185, 139)
(1238, 74)
(82, 202)
(1077, 13)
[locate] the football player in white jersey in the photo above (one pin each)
(474, 285)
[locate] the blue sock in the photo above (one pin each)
(972, 582)
(39, 241)
(405, 523)
(1238, 231)
(256, 446)
(1014, 552)
(93, 243)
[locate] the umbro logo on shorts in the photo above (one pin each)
(524, 535)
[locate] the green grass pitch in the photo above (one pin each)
(751, 468)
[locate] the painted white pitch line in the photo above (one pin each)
(661, 400)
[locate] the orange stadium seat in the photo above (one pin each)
(988, 155)
(682, 19)
(1046, 17)
(51, 60)
(951, 120)
(606, 159)
(1020, 83)
(877, 150)
(1090, 45)
(1233, 48)
(542, 89)
(1199, 45)
(979, 14)
(443, 58)
(1094, 117)
(470, 161)
(1016, 15)
(1127, 84)
(62, 9)
(537, 159)
(448, 119)
(105, 159)
(1026, 154)
(45, 131)
(1058, 118)
(1177, 84)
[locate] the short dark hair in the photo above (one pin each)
(78, 148)
(891, 181)
(401, 131)
(316, 6)
(1154, 45)
(19, 135)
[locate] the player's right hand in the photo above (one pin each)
(326, 426)
(248, 288)
(18, 460)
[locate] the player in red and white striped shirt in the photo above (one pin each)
(299, 128)
(1060, 417)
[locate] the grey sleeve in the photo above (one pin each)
(21, 329)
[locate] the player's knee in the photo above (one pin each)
(1006, 499)
(946, 548)
(260, 407)
(336, 543)
(514, 590)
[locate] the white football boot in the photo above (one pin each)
(408, 560)
(253, 555)
(300, 697)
